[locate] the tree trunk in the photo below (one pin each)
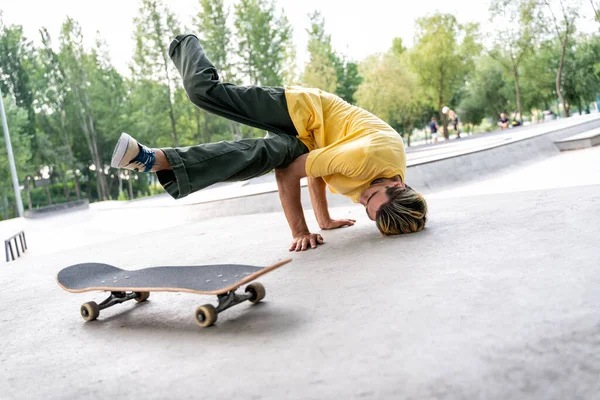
(48, 196)
(70, 157)
(87, 125)
(28, 192)
(120, 184)
(173, 125)
(441, 104)
(235, 132)
(130, 185)
(198, 130)
(66, 188)
(96, 154)
(171, 110)
(207, 134)
(518, 92)
(559, 76)
(5, 207)
(77, 186)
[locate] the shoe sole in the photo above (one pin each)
(120, 150)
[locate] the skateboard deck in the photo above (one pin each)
(222, 280)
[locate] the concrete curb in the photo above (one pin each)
(57, 208)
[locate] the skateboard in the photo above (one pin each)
(221, 280)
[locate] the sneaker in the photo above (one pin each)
(130, 154)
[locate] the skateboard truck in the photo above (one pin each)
(91, 310)
(205, 315)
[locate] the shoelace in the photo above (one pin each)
(145, 157)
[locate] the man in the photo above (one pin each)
(312, 134)
(503, 121)
(433, 126)
(453, 119)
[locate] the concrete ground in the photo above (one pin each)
(498, 298)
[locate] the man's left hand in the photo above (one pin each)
(337, 223)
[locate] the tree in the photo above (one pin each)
(17, 71)
(320, 71)
(581, 75)
(326, 69)
(216, 38)
(348, 79)
(215, 34)
(443, 56)
(17, 120)
(515, 39)
(73, 58)
(538, 71)
(486, 93)
(596, 8)
(155, 26)
(564, 26)
(52, 119)
(17, 63)
(390, 91)
(262, 39)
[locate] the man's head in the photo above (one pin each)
(395, 207)
(503, 115)
(433, 119)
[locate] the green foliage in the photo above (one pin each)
(155, 26)
(443, 56)
(487, 93)
(214, 33)
(263, 38)
(538, 75)
(390, 90)
(515, 39)
(326, 69)
(320, 72)
(581, 78)
(17, 66)
(21, 144)
(349, 79)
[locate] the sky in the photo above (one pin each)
(358, 28)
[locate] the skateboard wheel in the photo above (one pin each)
(142, 296)
(206, 315)
(257, 290)
(90, 311)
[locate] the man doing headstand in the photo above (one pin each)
(311, 134)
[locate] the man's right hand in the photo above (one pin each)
(303, 240)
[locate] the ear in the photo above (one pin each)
(399, 184)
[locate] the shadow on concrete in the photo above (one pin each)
(243, 320)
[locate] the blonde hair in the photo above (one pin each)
(406, 212)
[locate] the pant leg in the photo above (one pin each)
(200, 166)
(261, 107)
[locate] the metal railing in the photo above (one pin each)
(8, 248)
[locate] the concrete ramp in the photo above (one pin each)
(522, 146)
(580, 141)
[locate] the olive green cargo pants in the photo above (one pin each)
(196, 167)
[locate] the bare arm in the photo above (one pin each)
(318, 197)
(288, 183)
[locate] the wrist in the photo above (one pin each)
(300, 233)
(324, 223)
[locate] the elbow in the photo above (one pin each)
(282, 174)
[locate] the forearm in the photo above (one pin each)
(289, 194)
(318, 197)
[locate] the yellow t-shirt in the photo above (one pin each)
(349, 147)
